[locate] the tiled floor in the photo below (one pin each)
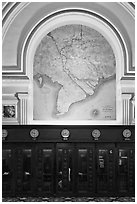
(68, 199)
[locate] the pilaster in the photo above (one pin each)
(126, 108)
(23, 97)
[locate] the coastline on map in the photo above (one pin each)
(45, 101)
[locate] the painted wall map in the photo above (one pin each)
(74, 76)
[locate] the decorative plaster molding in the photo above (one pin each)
(127, 85)
(129, 7)
(125, 50)
(9, 109)
(9, 13)
(16, 84)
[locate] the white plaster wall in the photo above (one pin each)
(19, 24)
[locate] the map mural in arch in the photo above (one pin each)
(74, 76)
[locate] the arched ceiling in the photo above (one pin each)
(20, 18)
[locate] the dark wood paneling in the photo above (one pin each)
(78, 166)
(77, 133)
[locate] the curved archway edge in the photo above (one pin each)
(98, 20)
(75, 16)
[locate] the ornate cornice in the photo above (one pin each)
(129, 7)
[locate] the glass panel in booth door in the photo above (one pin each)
(65, 169)
(45, 169)
(126, 170)
(105, 172)
(85, 169)
(7, 170)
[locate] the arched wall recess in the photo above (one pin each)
(66, 17)
(93, 21)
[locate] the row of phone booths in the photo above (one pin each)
(68, 160)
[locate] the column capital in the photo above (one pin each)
(22, 95)
(126, 96)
